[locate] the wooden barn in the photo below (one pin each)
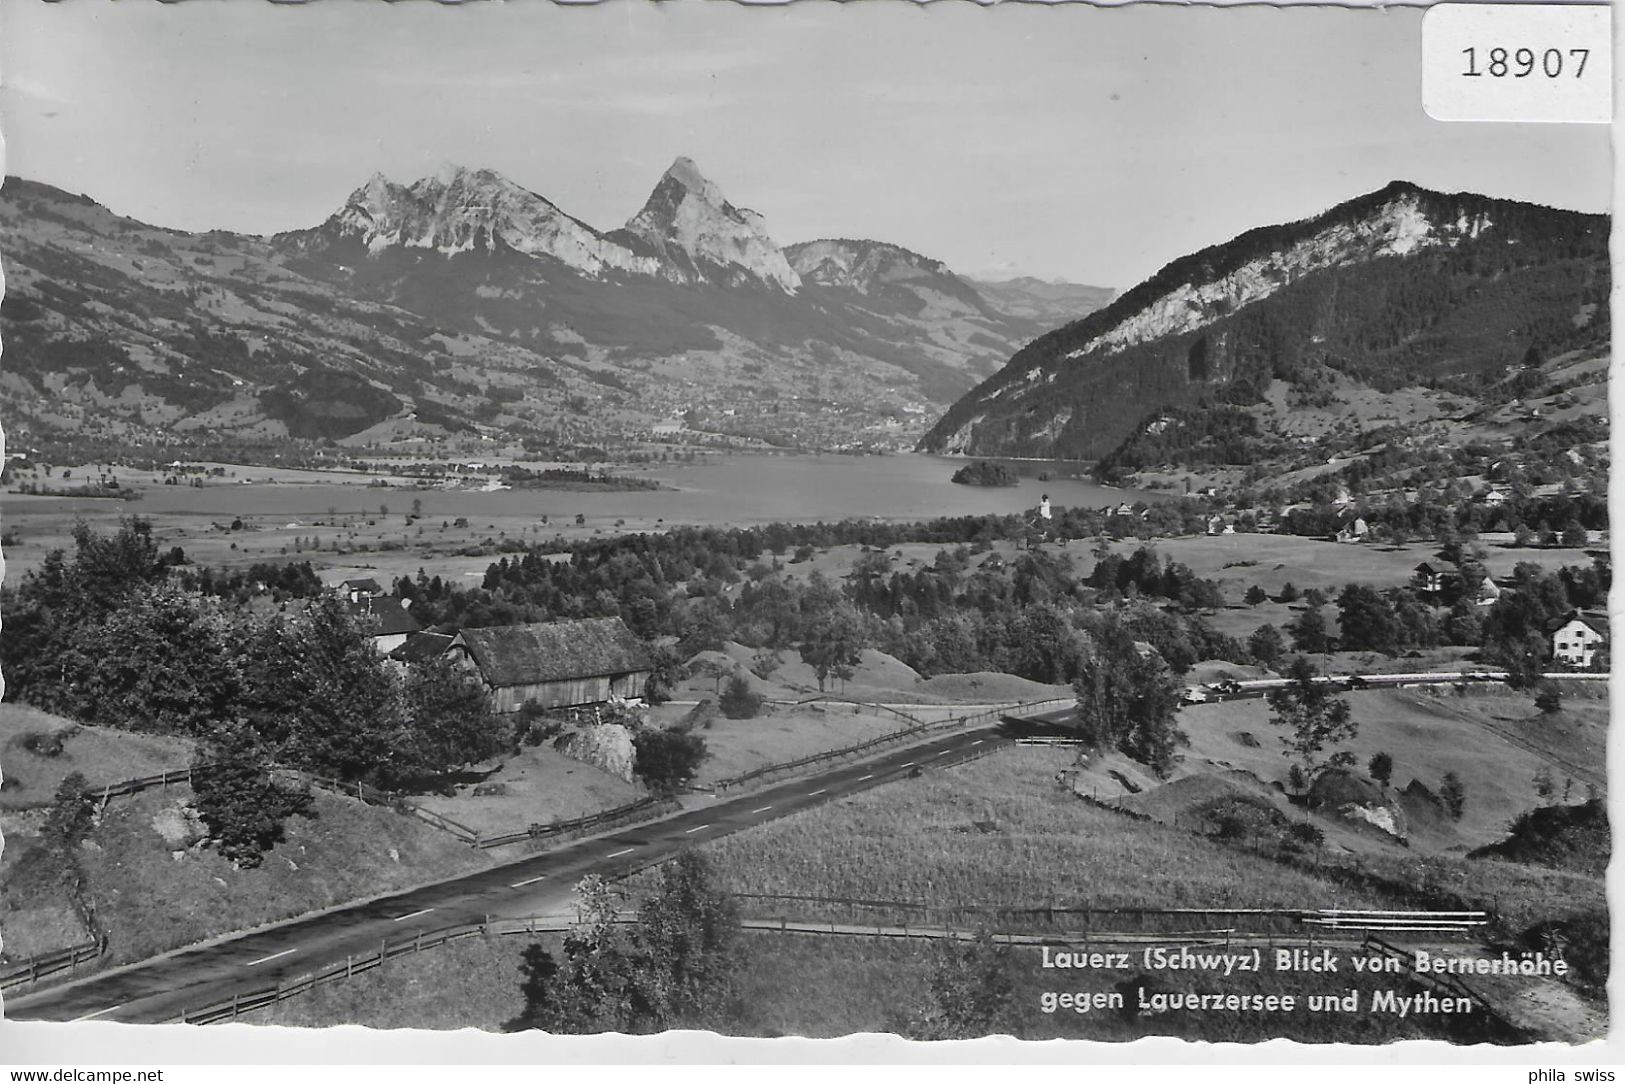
(558, 664)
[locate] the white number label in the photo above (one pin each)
(1517, 62)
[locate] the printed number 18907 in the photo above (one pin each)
(1522, 63)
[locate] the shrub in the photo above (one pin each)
(1549, 698)
(739, 700)
(1381, 768)
(244, 808)
(1304, 832)
(1453, 794)
(667, 760)
(46, 743)
(72, 814)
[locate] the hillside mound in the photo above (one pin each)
(1359, 802)
(1568, 837)
(38, 750)
(1233, 804)
(989, 686)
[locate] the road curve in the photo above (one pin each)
(163, 987)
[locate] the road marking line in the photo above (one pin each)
(978, 741)
(273, 956)
(617, 854)
(944, 753)
(910, 764)
(815, 794)
(764, 809)
(414, 914)
(691, 831)
(869, 776)
(530, 881)
(98, 1012)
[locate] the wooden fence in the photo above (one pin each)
(30, 971)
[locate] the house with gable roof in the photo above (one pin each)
(556, 664)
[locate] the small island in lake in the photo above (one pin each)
(567, 478)
(985, 472)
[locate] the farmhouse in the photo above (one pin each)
(421, 647)
(1356, 530)
(385, 619)
(1427, 578)
(1578, 638)
(356, 590)
(557, 664)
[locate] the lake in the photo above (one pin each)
(723, 489)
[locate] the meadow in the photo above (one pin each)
(1000, 831)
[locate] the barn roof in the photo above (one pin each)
(555, 651)
(382, 616)
(422, 646)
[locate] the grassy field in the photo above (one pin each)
(473, 983)
(1238, 561)
(1000, 831)
(997, 830)
(100, 754)
(152, 892)
(540, 785)
(1427, 731)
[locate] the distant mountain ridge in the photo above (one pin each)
(1396, 286)
(1053, 302)
(464, 303)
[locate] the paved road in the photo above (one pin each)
(161, 988)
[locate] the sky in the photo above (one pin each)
(1091, 144)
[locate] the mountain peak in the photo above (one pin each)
(457, 209)
(683, 169)
(691, 226)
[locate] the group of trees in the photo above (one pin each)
(676, 965)
(1128, 696)
(108, 636)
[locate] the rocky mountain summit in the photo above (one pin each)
(463, 304)
(1401, 286)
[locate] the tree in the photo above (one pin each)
(689, 931)
(675, 966)
(1127, 698)
(243, 806)
(1381, 767)
(1548, 698)
(667, 760)
(667, 671)
(1255, 595)
(740, 701)
(1308, 632)
(1574, 536)
(1367, 620)
(1266, 644)
(72, 813)
(972, 993)
(449, 723)
(318, 694)
(833, 642)
(1289, 593)
(1453, 794)
(1545, 788)
(1315, 718)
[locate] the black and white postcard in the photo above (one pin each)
(942, 520)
